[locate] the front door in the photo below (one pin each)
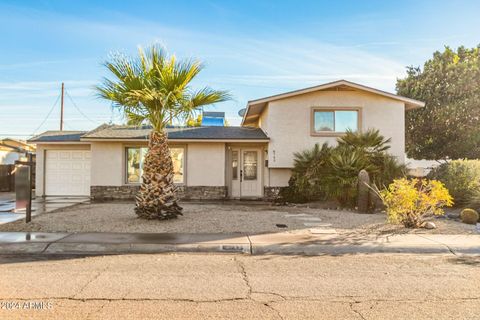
(246, 173)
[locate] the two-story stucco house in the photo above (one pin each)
(250, 161)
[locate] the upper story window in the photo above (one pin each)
(330, 121)
(135, 158)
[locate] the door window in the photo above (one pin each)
(234, 165)
(250, 165)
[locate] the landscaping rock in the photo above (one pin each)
(429, 225)
(469, 216)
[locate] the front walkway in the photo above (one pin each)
(271, 243)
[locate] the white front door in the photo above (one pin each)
(246, 173)
(67, 173)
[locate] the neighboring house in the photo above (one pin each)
(12, 150)
(251, 161)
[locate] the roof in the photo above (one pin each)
(17, 145)
(58, 136)
(128, 133)
(6, 147)
(116, 132)
(255, 107)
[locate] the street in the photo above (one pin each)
(227, 286)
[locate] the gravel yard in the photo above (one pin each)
(220, 218)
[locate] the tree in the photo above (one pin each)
(448, 125)
(154, 88)
(194, 122)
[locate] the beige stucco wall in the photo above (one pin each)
(40, 161)
(288, 124)
(107, 168)
(205, 164)
(278, 177)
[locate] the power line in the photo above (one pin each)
(78, 109)
(48, 115)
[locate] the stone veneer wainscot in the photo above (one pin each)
(128, 192)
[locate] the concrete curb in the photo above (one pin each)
(277, 243)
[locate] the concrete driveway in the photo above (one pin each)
(39, 205)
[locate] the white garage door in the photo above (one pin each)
(67, 173)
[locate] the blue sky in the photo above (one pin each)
(251, 48)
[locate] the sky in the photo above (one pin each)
(252, 48)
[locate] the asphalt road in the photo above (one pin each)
(201, 286)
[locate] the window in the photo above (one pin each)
(234, 165)
(327, 121)
(135, 159)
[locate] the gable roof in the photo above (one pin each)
(255, 107)
(131, 133)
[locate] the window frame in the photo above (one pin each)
(333, 109)
(125, 162)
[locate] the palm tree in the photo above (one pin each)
(154, 88)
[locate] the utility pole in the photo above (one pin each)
(61, 108)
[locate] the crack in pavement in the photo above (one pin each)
(324, 299)
(93, 312)
(274, 310)
(91, 281)
(356, 311)
(243, 272)
(441, 243)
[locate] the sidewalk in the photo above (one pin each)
(272, 243)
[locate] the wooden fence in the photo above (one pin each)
(7, 177)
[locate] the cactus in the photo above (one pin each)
(469, 216)
(363, 198)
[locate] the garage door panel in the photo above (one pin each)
(67, 172)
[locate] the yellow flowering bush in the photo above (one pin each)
(410, 201)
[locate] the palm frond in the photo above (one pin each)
(155, 88)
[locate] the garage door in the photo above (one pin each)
(67, 173)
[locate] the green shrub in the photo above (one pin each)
(410, 201)
(340, 183)
(332, 173)
(474, 200)
(469, 216)
(310, 166)
(461, 177)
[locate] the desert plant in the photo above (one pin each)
(386, 168)
(410, 201)
(309, 168)
(469, 216)
(155, 89)
(327, 172)
(341, 182)
(363, 197)
(474, 201)
(461, 178)
(370, 141)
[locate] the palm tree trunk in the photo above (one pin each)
(157, 198)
